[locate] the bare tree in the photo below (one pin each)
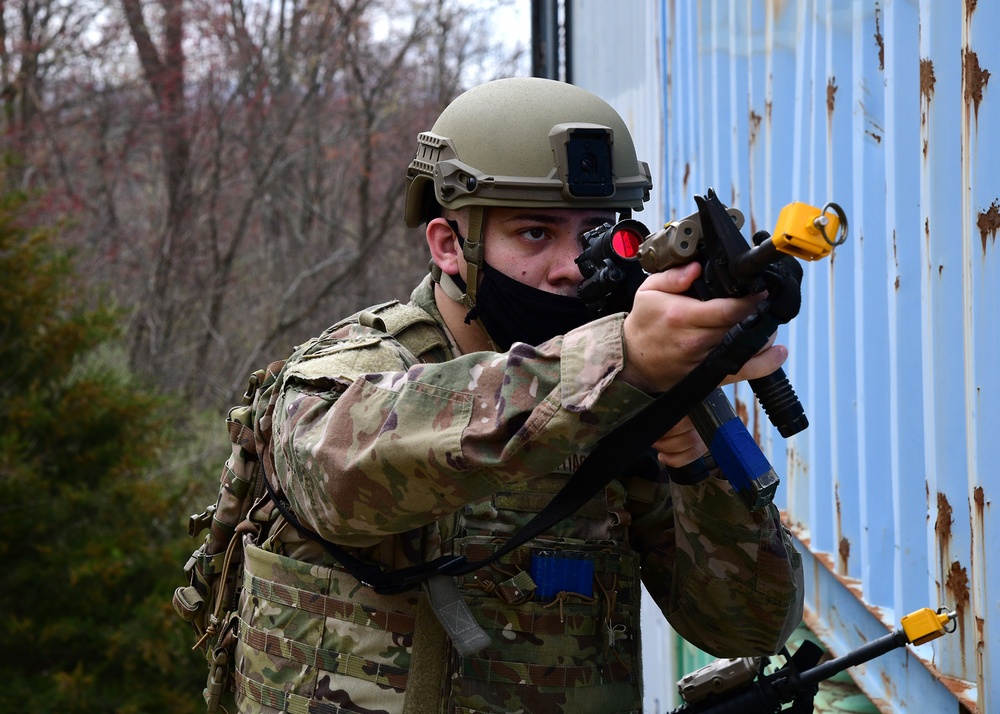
(164, 71)
(233, 170)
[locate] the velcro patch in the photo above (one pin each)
(347, 359)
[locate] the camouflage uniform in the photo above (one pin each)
(403, 460)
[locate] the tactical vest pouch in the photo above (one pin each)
(309, 631)
(570, 652)
(214, 571)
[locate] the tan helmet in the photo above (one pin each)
(521, 142)
(526, 142)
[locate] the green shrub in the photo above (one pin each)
(91, 503)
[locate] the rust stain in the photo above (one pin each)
(927, 78)
(768, 106)
(942, 533)
(831, 93)
(889, 687)
(844, 550)
(956, 686)
(877, 131)
(881, 704)
(927, 240)
(805, 539)
(755, 120)
(961, 689)
(975, 79)
(741, 411)
(970, 7)
(979, 534)
(958, 584)
(824, 558)
(980, 644)
(989, 223)
(878, 38)
(942, 526)
(926, 93)
(895, 258)
(687, 175)
(777, 6)
(757, 436)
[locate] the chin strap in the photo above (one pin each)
(473, 252)
(450, 286)
(454, 292)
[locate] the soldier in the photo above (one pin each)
(408, 432)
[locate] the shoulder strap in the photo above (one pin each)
(412, 326)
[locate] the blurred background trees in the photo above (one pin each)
(189, 188)
(87, 531)
(234, 170)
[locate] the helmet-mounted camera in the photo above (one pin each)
(584, 159)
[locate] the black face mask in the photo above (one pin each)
(514, 312)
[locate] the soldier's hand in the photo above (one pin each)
(667, 334)
(680, 446)
(770, 357)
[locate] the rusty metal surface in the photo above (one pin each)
(887, 107)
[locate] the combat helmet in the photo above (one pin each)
(523, 142)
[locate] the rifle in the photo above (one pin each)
(617, 258)
(740, 686)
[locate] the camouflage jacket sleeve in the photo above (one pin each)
(366, 443)
(729, 581)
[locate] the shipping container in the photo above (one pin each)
(885, 108)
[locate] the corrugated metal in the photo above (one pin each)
(884, 107)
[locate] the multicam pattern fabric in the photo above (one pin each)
(403, 460)
(310, 633)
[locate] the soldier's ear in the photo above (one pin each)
(443, 243)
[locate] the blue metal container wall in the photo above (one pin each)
(885, 108)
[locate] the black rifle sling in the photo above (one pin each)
(605, 462)
(600, 467)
